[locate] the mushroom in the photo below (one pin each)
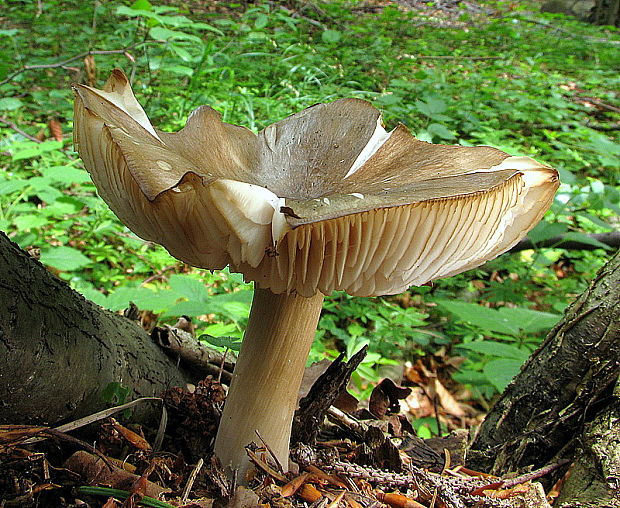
(323, 200)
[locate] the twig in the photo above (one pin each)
(53, 433)
(191, 480)
(160, 274)
(347, 422)
(268, 448)
(62, 63)
(221, 370)
(605, 128)
(528, 477)
(435, 403)
(264, 466)
(569, 33)
(182, 346)
(18, 130)
(598, 103)
(295, 14)
(448, 487)
(561, 242)
(455, 57)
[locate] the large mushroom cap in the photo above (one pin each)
(323, 200)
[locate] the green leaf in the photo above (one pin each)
(257, 36)
(160, 33)
(431, 107)
(205, 26)
(64, 258)
(10, 104)
(486, 319)
(64, 205)
(93, 295)
(115, 393)
(501, 371)
(232, 343)
(179, 69)
(220, 329)
(143, 5)
(25, 222)
(242, 296)
(602, 143)
(235, 310)
(528, 320)
(262, 20)
(389, 99)
(468, 376)
(182, 53)
(10, 186)
(506, 320)
(494, 348)
(134, 13)
(234, 306)
(441, 131)
(122, 494)
(120, 299)
(156, 301)
(583, 238)
(30, 149)
(190, 308)
(545, 230)
(331, 36)
(66, 174)
(189, 287)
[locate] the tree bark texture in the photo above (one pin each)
(606, 12)
(561, 242)
(562, 385)
(594, 480)
(58, 351)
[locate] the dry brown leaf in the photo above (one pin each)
(336, 502)
(517, 490)
(94, 471)
(445, 398)
(55, 129)
(418, 404)
(132, 437)
(398, 500)
(486, 488)
(295, 484)
(309, 493)
(327, 478)
(385, 398)
(111, 503)
(11, 435)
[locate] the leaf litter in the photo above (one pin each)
(361, 458)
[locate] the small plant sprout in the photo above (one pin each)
(323, 200)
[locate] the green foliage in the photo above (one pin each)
(496, 342)
(525, 83)
(115, 394)
(506, 320)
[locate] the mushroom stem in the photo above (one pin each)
(266, 380)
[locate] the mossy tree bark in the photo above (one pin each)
(565, 384)
(594, 481)
(606, 12)
(58, 351)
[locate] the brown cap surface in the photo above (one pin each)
(323, 200)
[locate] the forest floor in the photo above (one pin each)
(364, 455)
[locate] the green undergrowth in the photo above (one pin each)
(529, 84)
